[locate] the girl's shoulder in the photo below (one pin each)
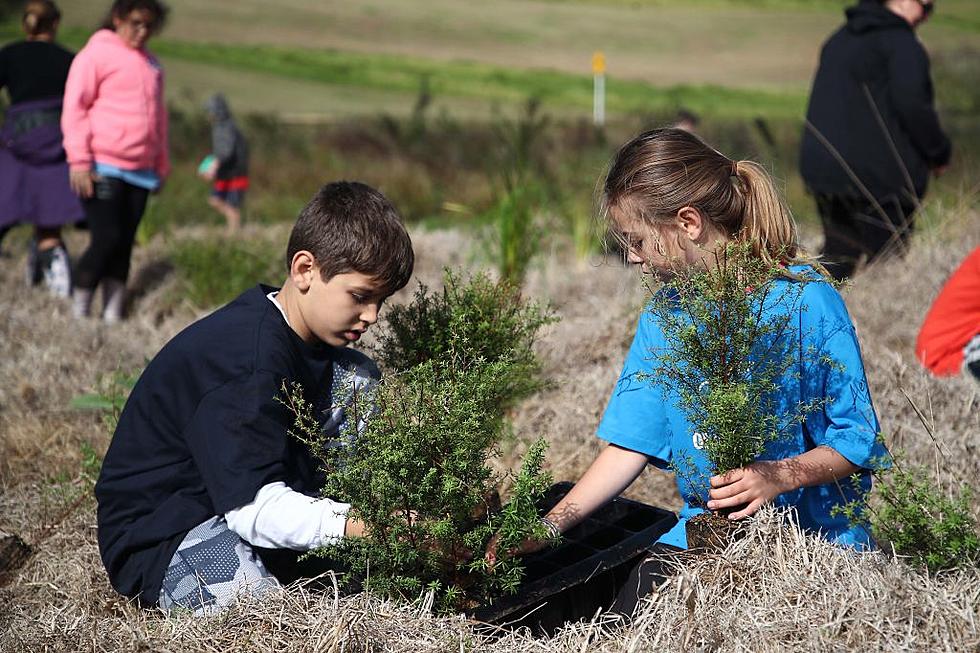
(809, 291)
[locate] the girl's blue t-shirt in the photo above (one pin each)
(644, 414)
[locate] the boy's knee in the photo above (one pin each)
(211, 570)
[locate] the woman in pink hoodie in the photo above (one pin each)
(115, 134)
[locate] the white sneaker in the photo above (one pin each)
(81, 304)
(114, 300)
(57, 272)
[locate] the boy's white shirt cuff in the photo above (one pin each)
(281, 518)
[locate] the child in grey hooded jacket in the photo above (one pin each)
(228, 169)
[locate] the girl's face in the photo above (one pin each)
(136, 28)
(664, 249)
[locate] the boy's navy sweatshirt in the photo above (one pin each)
(201, 433)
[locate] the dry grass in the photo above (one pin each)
(777, 590)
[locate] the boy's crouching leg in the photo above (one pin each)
(212, 568)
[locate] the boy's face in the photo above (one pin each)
(338, 311)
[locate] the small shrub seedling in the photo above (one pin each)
(727, 346)
(417, 473)
(915, 516)
(479, 320)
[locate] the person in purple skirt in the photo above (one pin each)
(34, 186)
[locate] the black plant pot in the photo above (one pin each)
(584, 573)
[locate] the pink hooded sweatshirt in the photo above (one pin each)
(113, 109)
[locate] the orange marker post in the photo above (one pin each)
(598, 89)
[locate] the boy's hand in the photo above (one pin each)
(354, 527)
(752, 486)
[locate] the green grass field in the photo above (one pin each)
(306, 59)
(735, 62)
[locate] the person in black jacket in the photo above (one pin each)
(872, 134)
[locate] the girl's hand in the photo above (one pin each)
(529, 545)
(608, 475)
(81, 182)
(754, 485)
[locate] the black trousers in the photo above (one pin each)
(855, 228)
(113, 213)
(650, 573)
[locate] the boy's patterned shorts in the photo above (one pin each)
(971, 357)
(212, 568)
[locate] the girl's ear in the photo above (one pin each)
(301, 270)
(691, 222)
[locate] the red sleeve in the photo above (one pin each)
(952, 321)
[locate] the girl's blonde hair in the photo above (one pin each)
(40, 17)
(661, 171)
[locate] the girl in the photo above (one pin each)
(33, 173)
(674, 202)
(115, 126)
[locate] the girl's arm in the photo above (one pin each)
(81, 89)
(764, 480)
(610, 473)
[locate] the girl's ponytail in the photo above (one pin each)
(663, 170)
(767, 224)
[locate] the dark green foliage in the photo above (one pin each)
(911, 513)
(521, 179)
(516, 238)
(418, 474)
(725, 355)
(475, 320)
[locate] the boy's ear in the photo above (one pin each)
(301, 270)
(691, 222)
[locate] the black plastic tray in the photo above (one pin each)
(583, 573)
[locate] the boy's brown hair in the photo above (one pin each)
(350, 227)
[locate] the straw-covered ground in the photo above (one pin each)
(776, 590)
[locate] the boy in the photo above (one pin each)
(229, 168)
(203, 495)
